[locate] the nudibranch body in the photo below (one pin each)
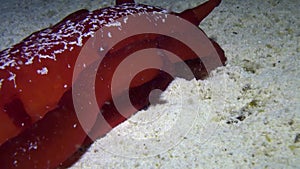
(39, 127)
(42, 64)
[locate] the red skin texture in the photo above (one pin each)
(43, 132)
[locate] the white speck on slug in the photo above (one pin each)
(109, 34)
(1, 80)
(113, 23)
(33, 145)
(43, 71)
(20, 62)
(15, 163)
(29, 61)
(125, 19)
(12, 78)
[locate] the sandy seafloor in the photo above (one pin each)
(245, 115)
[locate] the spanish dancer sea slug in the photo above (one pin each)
(39, 127)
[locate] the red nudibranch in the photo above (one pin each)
(39, 127)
